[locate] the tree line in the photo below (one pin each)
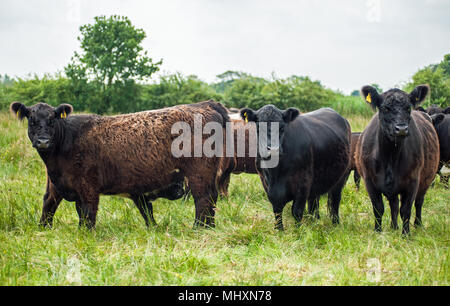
(111, 75)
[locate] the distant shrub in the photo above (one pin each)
(175, 89)
(53, 90)
(295, 91)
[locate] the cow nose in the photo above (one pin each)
(401, 130)
(42, 143)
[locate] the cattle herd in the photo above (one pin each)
(397, 155)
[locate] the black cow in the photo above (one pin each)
(443, 131)
(398, 154)
(314, 155)
(441, 122)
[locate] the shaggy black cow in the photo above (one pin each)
(398, 154)
(313, 152)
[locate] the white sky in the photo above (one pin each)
(344, 44)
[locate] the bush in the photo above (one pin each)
(295, 91)
(175, 89)
(52, 90)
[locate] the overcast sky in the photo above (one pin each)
(344, 44)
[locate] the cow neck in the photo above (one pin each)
(271, 174)
(390, 151)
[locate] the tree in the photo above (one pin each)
(438, 78)
(111, 61)
(377, 87)
(445, 65)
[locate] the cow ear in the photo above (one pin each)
(419, 94)
(248, 115)
(63, 111)
(20, 110)
(290, 114)
(371, 96)
(437, 118)
(447, 110)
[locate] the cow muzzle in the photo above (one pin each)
(401, 130)
(42, 144)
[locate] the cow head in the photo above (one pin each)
(394, 108)
(43, 122)
(437, 119)
(434, 109)
(270, 114)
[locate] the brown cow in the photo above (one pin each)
(353, 143)
(88, 155)
(398, 154)
(240, 164)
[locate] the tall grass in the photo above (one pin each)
(243, 249)
(349, 106)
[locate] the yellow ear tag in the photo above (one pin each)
(63, 115)
(369, 98)
(18, 113)
(246, 117)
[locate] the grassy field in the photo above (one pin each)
(243, 249)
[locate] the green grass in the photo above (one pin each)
(243, 249)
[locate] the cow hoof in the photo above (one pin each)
(418, 223)
(279, 228)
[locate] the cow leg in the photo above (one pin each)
(278, 213)
(393, 203)
(298, 206)
(418, 204)
(224, 180)
(51, 202)
(88, 209)
(223, 186)
(444, 180)
(205, 197)
(334, 198)
(313, 207)
(377, 204)
(80, 213)
(145, 208)
(405, 210)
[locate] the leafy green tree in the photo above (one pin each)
(111, 61)
(377, 87)
(445, 65)
(439, 85)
